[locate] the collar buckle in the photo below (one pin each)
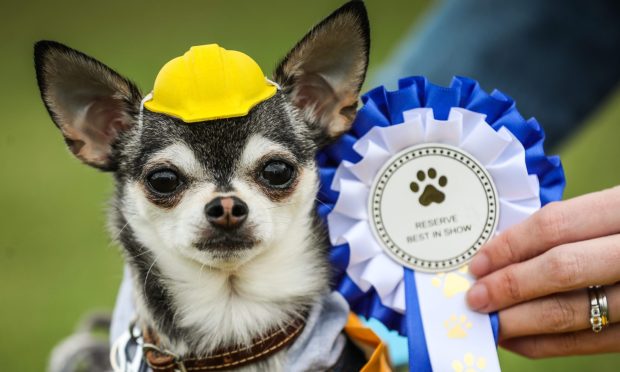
(178, 361)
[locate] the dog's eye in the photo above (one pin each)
(164, 181)
(277, 173)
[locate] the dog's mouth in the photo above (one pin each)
(223, 242)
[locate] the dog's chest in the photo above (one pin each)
(318, 347)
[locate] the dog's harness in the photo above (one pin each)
(162, 360)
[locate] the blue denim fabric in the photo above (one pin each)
(557, 59)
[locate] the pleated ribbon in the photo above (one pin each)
(487, 126)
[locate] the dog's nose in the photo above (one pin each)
(227, 212)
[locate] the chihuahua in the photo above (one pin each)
(217, 219)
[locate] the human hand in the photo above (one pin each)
(536, 272)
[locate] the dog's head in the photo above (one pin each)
(222, 191)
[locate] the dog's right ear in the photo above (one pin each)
(322, 75)
(90, 103)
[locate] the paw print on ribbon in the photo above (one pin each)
(431, 193)
(457, 327)
(469, 364)
(452, 283)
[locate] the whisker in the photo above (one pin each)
(145, 251)
(147, 276)
(323, 203)
(201, 270)
(121, 231)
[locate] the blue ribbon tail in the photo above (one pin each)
(419, 360)
(494, 317)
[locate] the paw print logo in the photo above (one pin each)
(457, 327)
(431, 193)
(453, 282)
(469, 364)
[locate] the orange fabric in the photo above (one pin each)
(370, 343)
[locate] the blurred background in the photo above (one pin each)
(56, 259)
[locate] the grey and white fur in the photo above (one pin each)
(200, 284)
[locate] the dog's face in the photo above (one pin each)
(218, 192)
(223, 191)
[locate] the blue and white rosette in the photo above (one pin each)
(461, 129)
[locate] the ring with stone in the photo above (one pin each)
(598, 308)
(602, 303)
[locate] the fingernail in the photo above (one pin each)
(480, 265)
(478, 297)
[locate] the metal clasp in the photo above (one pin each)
(180, 366)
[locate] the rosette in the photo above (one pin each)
(408, 137)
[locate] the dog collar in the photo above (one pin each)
(209, 82)
(161, 360)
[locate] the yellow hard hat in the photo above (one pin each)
(209, 82)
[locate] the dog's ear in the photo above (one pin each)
(324, 72)
(90, 103)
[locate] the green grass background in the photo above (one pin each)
(56, 260)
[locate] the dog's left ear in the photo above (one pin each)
(324, 72)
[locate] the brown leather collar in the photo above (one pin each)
(161, 360)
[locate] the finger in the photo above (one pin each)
(585, 217)
(561, 269)
(574, 343)
(560, 313)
